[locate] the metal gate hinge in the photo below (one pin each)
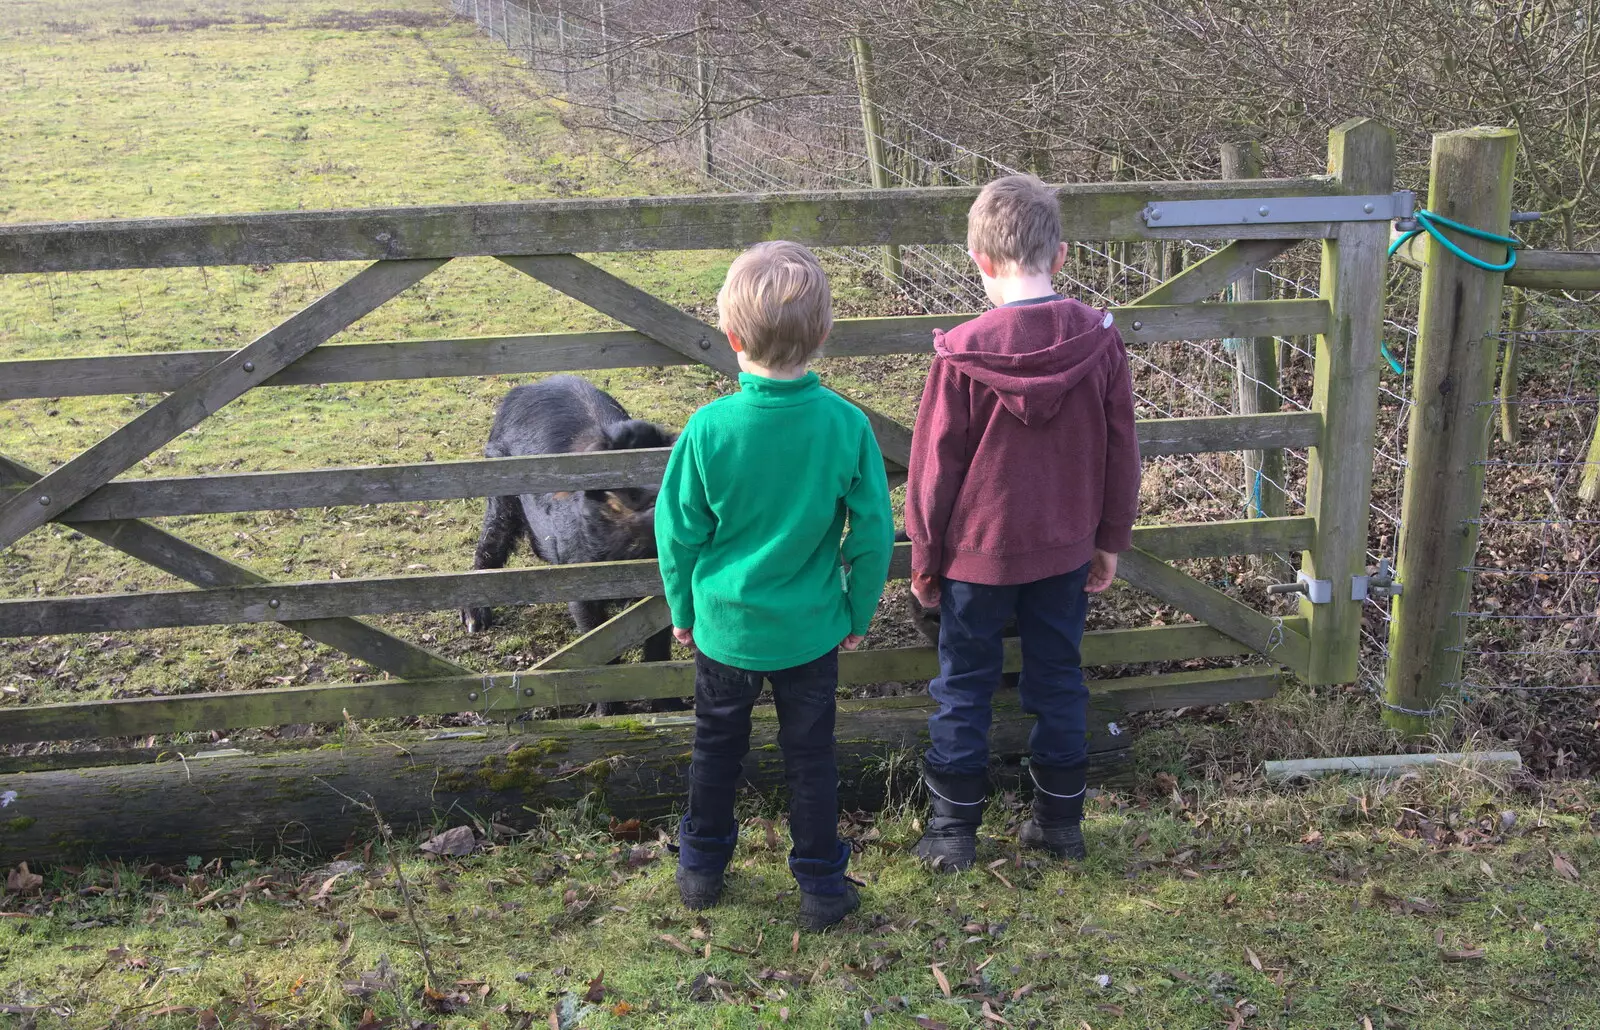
(1380, 584)
(1178, 214)
(1317, 591)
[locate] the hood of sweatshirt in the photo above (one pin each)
(1031, 354)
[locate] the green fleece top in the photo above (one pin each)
(750, 518)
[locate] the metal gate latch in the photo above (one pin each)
(1317, 591)
(1399, 207)
(1380, 584)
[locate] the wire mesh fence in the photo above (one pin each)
(707, 95)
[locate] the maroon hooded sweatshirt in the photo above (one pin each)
(1024, 459)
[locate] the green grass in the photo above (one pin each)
(1352, 898)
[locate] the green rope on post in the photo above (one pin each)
(1429, 222)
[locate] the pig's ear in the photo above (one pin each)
(611, 501)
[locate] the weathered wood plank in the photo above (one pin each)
(1266, 635)
(192, 403)
(379, 484)
(1228, 433)
(1452, 392)
(1534, 270)
(628, 628)
(1345, 391)
(682, 332)
(178, 557)
(260, 803)
(1184, 689)
(506, 694)
(321, 599)
(556, 352)
(1215, 272)
(158, 496)
(387, 595)
(1089, 211)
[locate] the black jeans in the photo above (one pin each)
(723, 697)
(1050, 615)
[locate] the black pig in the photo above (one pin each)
(560, 415)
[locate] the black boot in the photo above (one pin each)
(698, 890)
(820, 911)
(1057, 822)
(951, 840)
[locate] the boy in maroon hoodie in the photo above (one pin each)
(1023, 489)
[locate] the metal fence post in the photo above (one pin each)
(1345, 393)
(702, 83)
(1452, 393)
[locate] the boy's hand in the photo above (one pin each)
(853, 641)
(925, 589)
(1102, 570)
(683, 636)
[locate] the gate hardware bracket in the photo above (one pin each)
(1526, 216)
(1380, 584)
(1399, 207)
(1317, 591)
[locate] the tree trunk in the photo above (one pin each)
(235, 802)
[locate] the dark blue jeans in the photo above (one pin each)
(723, 697)
(1050, 614)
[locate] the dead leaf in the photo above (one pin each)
(208, 1020)
(21, 881)
(1111, 1010)
(621, 1008)
(1167, 782)
(794, 945)
(1255, 961)
(675, 944)
(992, 1016)
(444, 1002)
(940, 979)
(370, 1021)
(1560, 862)
(1366, 1023)
(597, 989)
(629, 829)
(783, 1015)
(928, 1023)
(454, 842)
(1466, 955)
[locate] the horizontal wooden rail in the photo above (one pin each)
(1089, 211)
(160, 497)
(569, 352)
(388, 595)
(507, 694)
(1534, 270)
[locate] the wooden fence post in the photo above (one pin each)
(1345, 393)
(1452, 394)
(872, 129)
(702, 77)
(1256, 360)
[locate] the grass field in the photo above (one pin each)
(1440, 903)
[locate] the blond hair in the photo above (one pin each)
(776, 300)
(1016, 221)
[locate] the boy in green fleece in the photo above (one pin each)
(749, 524)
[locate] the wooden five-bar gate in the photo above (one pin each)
(244, 799)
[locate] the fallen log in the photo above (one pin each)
(237, 802)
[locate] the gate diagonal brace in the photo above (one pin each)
(178, 557)
(684, 333)
(1267, 635)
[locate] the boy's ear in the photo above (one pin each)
(734, 342)
(984, 262)
(1062, 249)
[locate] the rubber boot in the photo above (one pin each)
(701, 863)
(951, 840)
(1057, 822)
(698, 890)
(820, 911)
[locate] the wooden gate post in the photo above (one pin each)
(872, 129)
(1452, 393)
(1345, 394)
(1256, 360)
